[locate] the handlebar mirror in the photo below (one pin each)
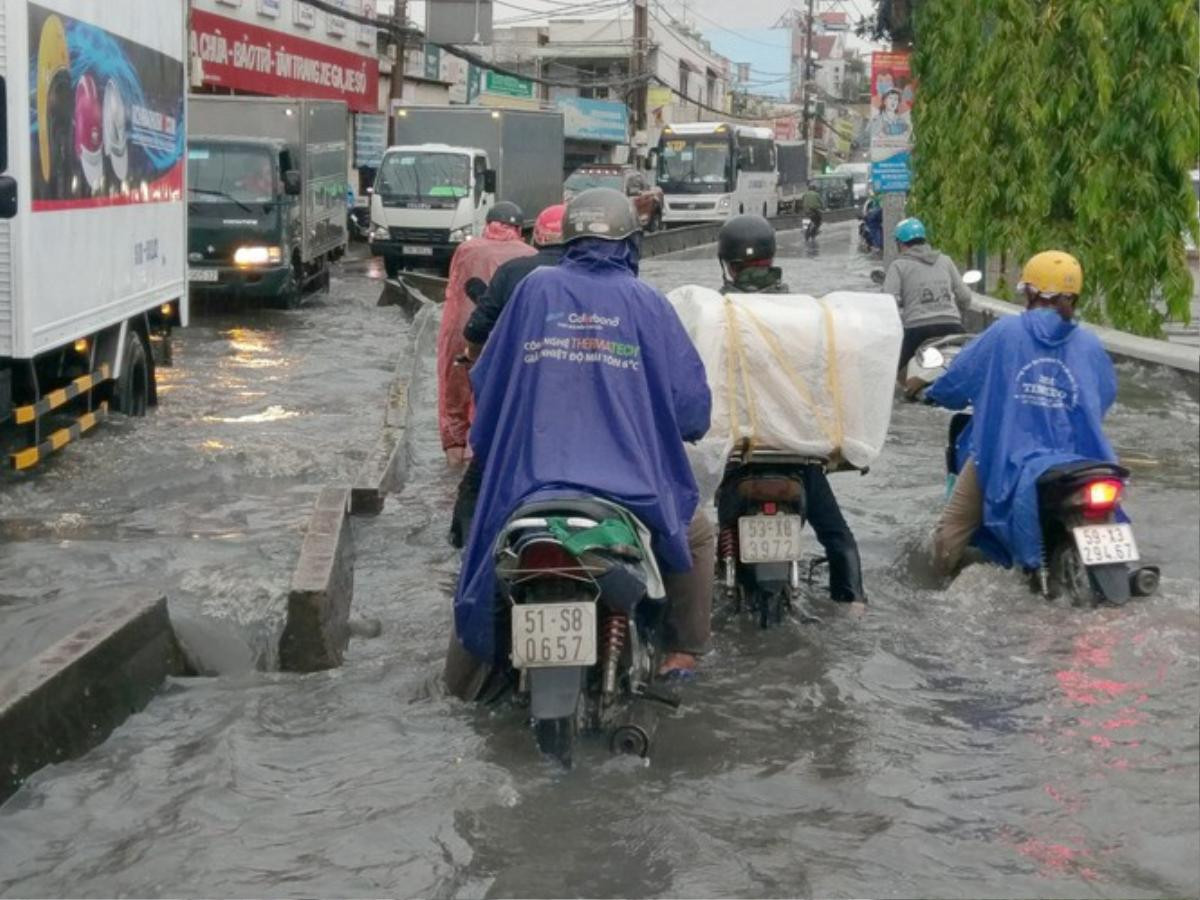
(972, 277)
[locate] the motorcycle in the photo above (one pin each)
(1088, 551)
(930, 362)
(583, 620)
(870, 230)
(760, 518)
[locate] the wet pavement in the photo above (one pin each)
(961, 741)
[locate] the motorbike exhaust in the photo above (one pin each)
(635, 736)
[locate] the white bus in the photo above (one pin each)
(710, 171)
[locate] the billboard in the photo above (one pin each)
(458, 21)
(245, 57)
(890, 129)
(105, 115)
(594, 120)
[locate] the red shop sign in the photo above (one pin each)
(264, 61)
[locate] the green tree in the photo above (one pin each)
(1068, 123)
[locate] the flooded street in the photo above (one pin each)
(961, 741)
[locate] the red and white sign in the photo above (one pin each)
(247, 57)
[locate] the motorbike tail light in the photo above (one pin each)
(547, 556)
(769, 509)
(1101, 496)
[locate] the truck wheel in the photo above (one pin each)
(293, 289)
(131, 395)
(391, 266)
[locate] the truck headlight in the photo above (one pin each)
(380, 233)
(723, 203)
(458, 235)
(257, 256)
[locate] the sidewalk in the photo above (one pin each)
(1188, 334)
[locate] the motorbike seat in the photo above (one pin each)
(585, 507)
(1081, 470)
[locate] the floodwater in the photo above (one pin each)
(968, 740)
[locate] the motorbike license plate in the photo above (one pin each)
(202, 274)
(1100, 545)
(553, 634)
(415, 250)
(767, 539)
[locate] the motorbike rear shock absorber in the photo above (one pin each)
(727, 545)
(616, 632)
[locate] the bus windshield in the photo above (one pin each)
(424, 176)
(695, 164)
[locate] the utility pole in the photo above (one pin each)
(804, 78)
(641, 38)
(893, 204)
(399, 38)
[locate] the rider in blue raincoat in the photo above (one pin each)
(1040, 387)
(589, 384)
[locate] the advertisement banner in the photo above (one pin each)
(105, 116)
(507, 85)
(594, 120)
(247, 57)
(370, 139)
(890, 129)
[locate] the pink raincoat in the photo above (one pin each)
(478, 258)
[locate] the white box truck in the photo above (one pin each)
(266, 195)
(93, 223)
(448, 166)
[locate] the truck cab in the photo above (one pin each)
(428, 199)
(244, 217)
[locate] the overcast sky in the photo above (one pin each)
(702, 13)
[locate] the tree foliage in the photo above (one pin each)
(1064, 123)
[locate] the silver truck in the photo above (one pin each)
(448, 166)
(266, 194)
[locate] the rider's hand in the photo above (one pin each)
(457, 456)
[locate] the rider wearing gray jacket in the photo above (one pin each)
(928, 289)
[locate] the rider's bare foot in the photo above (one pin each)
(857, 609)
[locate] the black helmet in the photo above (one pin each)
(507, 212)
(600, 213)
(744, 239)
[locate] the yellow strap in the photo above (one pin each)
(835, 384)
(737, 368)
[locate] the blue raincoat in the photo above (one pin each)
(1040, 387)
(589, 384)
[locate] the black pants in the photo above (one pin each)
(814, 223)
(825, 517)
(464, 504)
(915, 337)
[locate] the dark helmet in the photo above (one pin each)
(744, 239)
(507, 212)
(599, 213)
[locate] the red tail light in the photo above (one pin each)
(1101, 496)
(546, 556)
(769, 509)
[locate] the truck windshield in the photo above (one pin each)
(694, 165)
(424, 176)
(218, 174)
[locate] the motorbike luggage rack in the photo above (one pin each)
(744, 454)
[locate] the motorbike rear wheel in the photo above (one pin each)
(1069, 577)
(556, 738)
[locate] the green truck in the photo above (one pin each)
(266, 195)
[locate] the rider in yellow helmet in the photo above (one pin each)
(1039, 387)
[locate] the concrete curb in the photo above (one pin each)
(385, 468)
(318, 611)
(672, 240)
(69, 698)
(1122, 346)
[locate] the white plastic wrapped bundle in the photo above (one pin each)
(796, 373)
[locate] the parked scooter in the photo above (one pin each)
(760, 518)
(584, 598)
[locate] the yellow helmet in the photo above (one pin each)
(53, 60)
(1053, 272)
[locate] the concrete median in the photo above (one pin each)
(318, 611)
(69, 698)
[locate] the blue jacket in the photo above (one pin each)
(1040, 387)
(588, 384)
